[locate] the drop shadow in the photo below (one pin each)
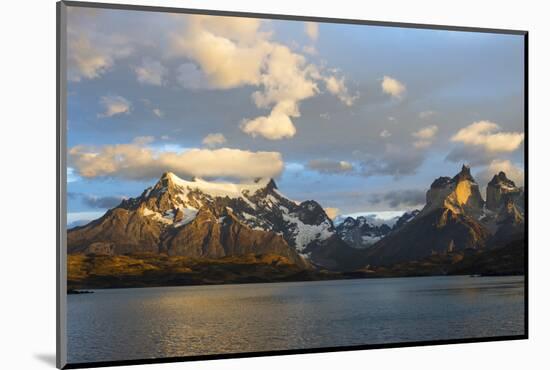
(47, 358)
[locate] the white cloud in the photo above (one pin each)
(336, 86)
(157, 112)
(225, 48)
(393, 87)
(213, 140)
(276, 126)
(426, 133)
(482, 134)
(90, 52)
(385, 134)
(137, 161)
(424, 136)
(330, 166)
(513, 172)
(151, 72)
(332, 212)
(114, 105)
(231, 52)
(312, 30)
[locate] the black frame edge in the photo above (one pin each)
(225, 356)
(227, 13)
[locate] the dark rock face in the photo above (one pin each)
(449, 222)
(405, 218)
(502, 190)
(439, 231)
(461, 193)
(123, 231)
(211, 220)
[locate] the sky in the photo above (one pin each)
(359, 118)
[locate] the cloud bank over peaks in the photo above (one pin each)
(138, 161)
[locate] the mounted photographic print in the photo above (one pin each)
(235, 184)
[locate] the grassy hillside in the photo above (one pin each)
(100, 271)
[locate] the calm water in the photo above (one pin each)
(180, 321)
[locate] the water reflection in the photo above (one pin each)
(181, 321)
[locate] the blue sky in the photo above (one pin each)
(359, 118)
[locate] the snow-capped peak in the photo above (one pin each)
(218, 189)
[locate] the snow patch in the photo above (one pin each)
(305, 234)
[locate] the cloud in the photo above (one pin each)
(157, 112)
(151, 72)
(425, 136)
(309, 49)
(227, 52)
(385, 134)
(312, 30)
(94, 201)
(225, 48)
(426, 114)
(71, 175)
(394, 160)
(276, 126)
(136, 161)
(513, 172)
(330, 166)
(90, 52)
(426, 133)
(399, 198)
(114, 105)
(213, 140)
(393, 87)
(332, 212)
(143, 140)
(325, 115)
(337, 86)
(482, 134)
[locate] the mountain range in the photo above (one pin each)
(209, 221)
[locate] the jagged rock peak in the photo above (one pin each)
(464, 174)
(459, 194)
(441, 182)
(501, 190)
(501, 179)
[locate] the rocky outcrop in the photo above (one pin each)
(405, 218)
(501, 191)
(449, 222)
(460, 194)
(439, 231)
(119, 231)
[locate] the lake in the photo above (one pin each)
(123, 324)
